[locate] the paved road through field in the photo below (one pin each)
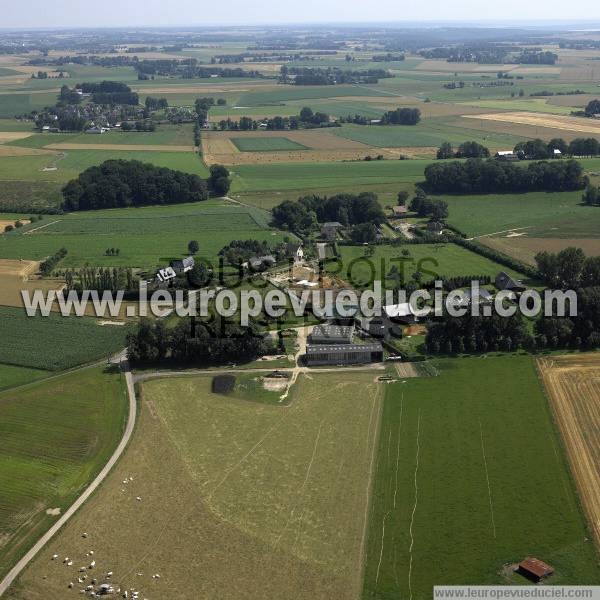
(39, 545)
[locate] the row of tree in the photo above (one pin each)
(476, 176)
(465, 150)
(568, 269)
(199, 342)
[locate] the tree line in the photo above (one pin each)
(476, 176)
(465, 150)
(122, 183)
(194, 341)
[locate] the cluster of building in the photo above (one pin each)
(176, 267)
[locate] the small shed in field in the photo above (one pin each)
(535, 569)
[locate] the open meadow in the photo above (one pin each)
(470, 479)
(146, 237)
(55, 437)
(251, 499)
(433, 261)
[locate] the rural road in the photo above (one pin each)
(39, 545)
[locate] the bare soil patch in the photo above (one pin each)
(11, 136)
(573, 385)
(543, 120)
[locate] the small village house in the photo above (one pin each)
(329, 230)
(183, 265)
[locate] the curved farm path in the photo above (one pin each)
(39, 545)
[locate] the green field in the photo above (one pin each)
(54, 437)
(165, 135)
(470, 477)
(55, 343)
(11, 376)
(432, 260)
(69, 163)
(301, 176)
(146, 237)
(428, 133)
(266, 144)
(267, 501)
(30, 195)
(544, 214)
(12, 104)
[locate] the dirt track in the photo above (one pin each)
(573, 385)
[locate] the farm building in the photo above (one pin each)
(506, 155)
(329, 230)
(183, 265)
(331, 334)
(435, 227)
(96, 130)
(260, 263)
(343, 354)
(399, 211)
(535, 569)
(506, 282)
(481, 296)
(556, 153)
(400, 313)
(166, 274)
(380, 328)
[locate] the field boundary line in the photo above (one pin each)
(414, 510)
(30, 231)
(41, 543)
(487, 477)
(377, 404)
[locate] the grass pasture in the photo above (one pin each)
(54, 437)
(464, 461)
(55, 343)
(265, 501)
(432, 260)
(11, 376)
(544, 214)
(146, 237)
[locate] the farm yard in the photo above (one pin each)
(464, 460)
(572, 384)
(262, 499)
(55, 436)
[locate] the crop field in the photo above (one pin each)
(464, 461)
(11, 376)
(539, 214)
(523, 247)
(263, 500)
(577, 124)
(55, 343)
(573, 386)
(146, 237)
(266, 144)
(12, 104)
(55, 437)
(432, 260)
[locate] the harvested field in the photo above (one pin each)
(11, 136)
(3, 224)
(525, 248)
(253, 500)
(323, 146)
(582, 125)
(120, 147)
(573, 385)
(6, 151)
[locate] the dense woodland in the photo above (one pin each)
(121, 183)
(304, 215)
(475, 176)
